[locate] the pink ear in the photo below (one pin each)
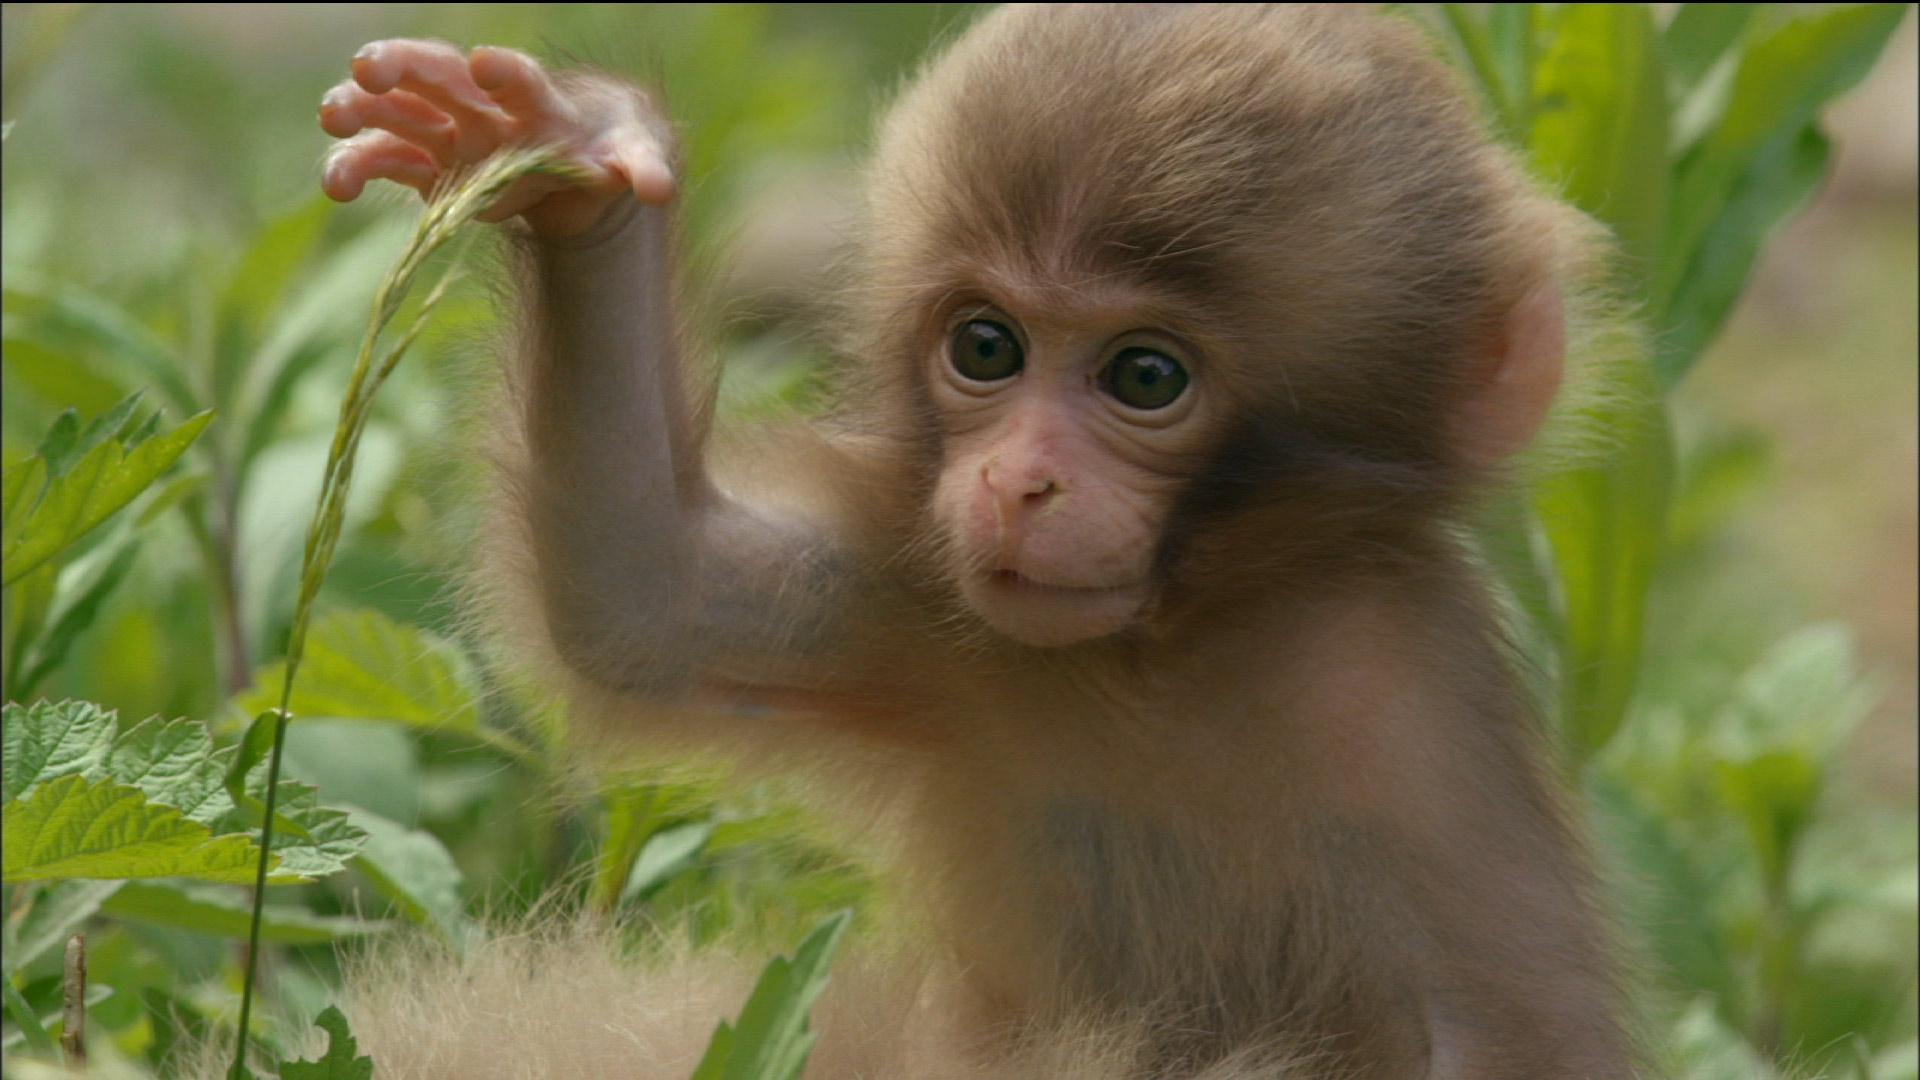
(1507, 399)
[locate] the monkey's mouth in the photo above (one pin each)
(1045, 614)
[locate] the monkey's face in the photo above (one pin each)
(1063, 438)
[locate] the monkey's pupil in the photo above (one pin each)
(1145, 379)
(985, 351)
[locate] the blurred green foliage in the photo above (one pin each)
(162, 237)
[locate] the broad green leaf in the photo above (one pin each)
(1781, 178)
(362, 665)
(32, 1031)
(1510, 34)
(49, 740)
(1600, 121)
(60, 908)
(321, 319)
(342, 1061)
(76, 615)
(54, 377)
(1475, 45)
(1698, 36)
(414, 870)
(216, 910)
(74, 827)
(1786, 75)
(68, 319)
(258, 283)
(1721, 475)
(1805, 694)
(771, 1040)
(102, 482)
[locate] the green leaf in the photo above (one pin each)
(771, 1041)
(102, 482)
(1781, 178)
(309, 839)
(27, 609)
(1698, 36)
(1600, 121)
(362, 665)
(342, 1061)
(59, 909)
(22, 487)
(49, 740)
(74, 827)
(1606, 524)
(68, 319)
(57, 446)
(115, 423)
(414, 870)
(1785, 77)
(666, 854)
(174, 762)
(34, 1032)
(259, 280)
(76, 615)
(214, 909)
(1774, 794)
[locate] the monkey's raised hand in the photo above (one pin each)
(414, 109)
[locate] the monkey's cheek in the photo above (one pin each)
(1049, 617)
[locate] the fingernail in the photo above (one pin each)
(367, 52)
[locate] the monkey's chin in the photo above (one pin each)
(1050, 616)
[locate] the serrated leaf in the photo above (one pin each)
(363, 665)
(342, 1061)
(49, 740)
(213, 909)
(771, 1041)
(174, 762)
(74, 827)
(100, 483)
(115, 423)
(310, 840)
(57, 445)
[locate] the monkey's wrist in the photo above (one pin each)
(619, 216)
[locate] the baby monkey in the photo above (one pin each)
(1123, 582)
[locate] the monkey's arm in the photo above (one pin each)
(649, 577)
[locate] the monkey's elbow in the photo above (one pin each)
(634, 653)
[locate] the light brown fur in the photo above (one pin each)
(1297, 819)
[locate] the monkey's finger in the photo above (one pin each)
(375, 155)
(347, 110)
(519, 85)
(436, 71)
(637, 158)
(524, 194)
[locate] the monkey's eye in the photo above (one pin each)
(986, 351)
(1144, 379)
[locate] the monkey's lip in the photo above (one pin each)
(1015, 580)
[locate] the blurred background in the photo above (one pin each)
(159, 153)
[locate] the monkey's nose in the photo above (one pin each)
(1017, 492)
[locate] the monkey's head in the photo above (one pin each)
(1188, 300)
